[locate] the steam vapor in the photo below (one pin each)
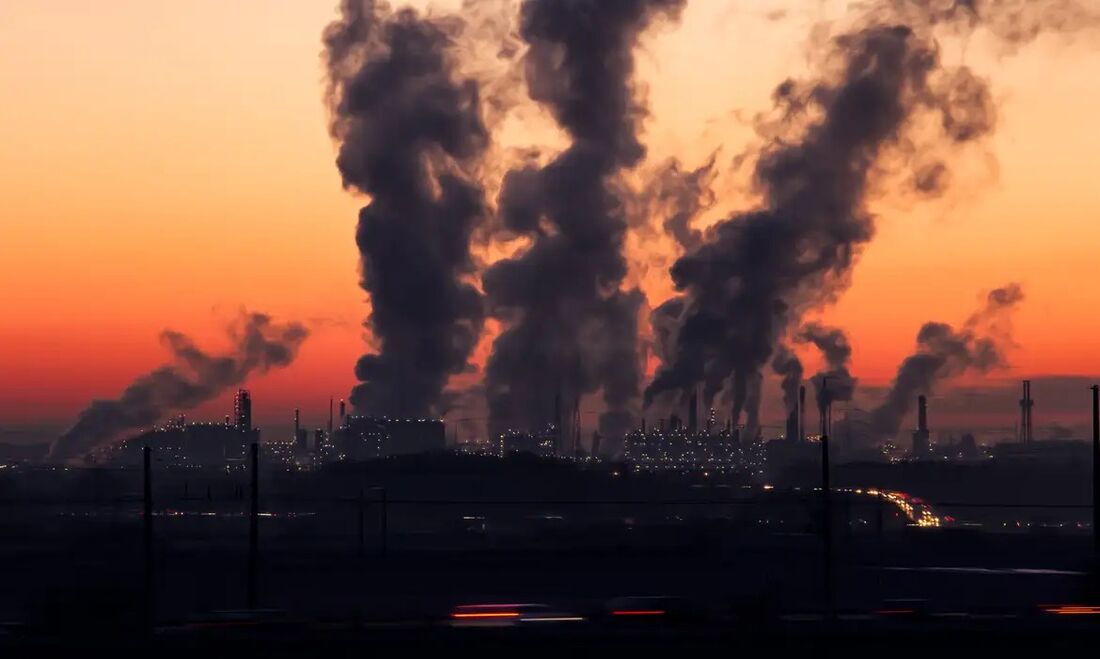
(410, 133)
(835, 382)
(743, 289)
(943, 352)
(569, 323)
(192, 378)
(408, 116)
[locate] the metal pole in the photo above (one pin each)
(147, 537)
(384, 523)
(254, 529)
(826, 510)
(1096, 468)
(361, 549)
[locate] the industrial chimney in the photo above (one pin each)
(921, 444)
(1026, 404)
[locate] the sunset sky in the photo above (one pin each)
(165, 164)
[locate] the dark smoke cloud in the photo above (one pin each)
(569, 324)
(677, 196)
(835, 383)
(944, 352)
(862, 117)
(410, 134)
(193, 378)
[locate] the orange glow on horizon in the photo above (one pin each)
(167, 165)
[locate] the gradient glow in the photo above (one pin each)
(166, 163)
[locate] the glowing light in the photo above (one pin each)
(487, 614)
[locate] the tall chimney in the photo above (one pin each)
(297, 422)
(343, 411)
(921, 444)
(1026, 406)
(693, 413)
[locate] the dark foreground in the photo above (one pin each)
(853, 635)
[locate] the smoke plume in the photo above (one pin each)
(944, 352)
(410, 135)
(834, 135)
(835, 382)
(192, 378)
(569, 324)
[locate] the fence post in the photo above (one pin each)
(254, 528)
(147, 538)
(361, 526)
(383, 521)
(1096, 469)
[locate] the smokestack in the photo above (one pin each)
(1026, 405)
(693, 413)
(343, 411)
(297, 422)
(942, 352)
(410, 133)
(921, 444)
(330, 416)
(579, 66)
(802, 413)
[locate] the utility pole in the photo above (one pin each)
(147, 537)
(254, 529)
(826, 510)
(1096, 468)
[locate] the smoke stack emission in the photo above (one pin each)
(410, 134)
(836, 349)
(878, 89)
(192, 378)
(566, 313)
(944, 352)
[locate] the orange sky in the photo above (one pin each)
(166, 163)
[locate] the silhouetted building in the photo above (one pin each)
(363, 438)
(242, 410)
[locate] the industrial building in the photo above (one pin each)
(366, 438)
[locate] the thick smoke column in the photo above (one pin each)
(193, 378)
(944, 352)
(569, 324)
(759, 271)
(410, 134)
(835, 383)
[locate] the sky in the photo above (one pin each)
(166, 164)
